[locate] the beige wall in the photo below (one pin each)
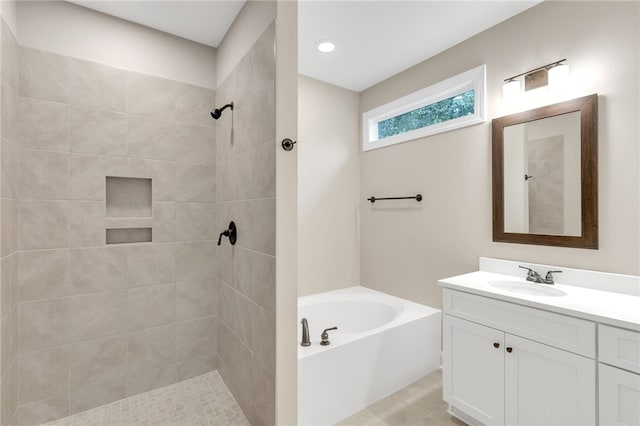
(253, 19)
(328, 187)
(72, 30)
(406, 248)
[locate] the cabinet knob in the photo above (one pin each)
(496, 345)
(509, 349)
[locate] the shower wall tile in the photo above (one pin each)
(96, 315)
(43, 324)
(195, 367)
(259, 218)
(128, 317)
(164, 222)
(95, 85)
(94, 131)
(8, 226)
(195, 182)
(87, 177)
(153, 348)
(149, 264)
(9, 55)
(8, 111)
(44, 224)
(44, 411)
(43, 374)
(263, 336)
(86, 224)
(195, 143)
(43, 75)
(43, 274)
(98, 374)
(150, 138)
(196, 338)
(150, 95)
(9, 350)
(245, 185)
(42, 125)
(256, 118)
(194, 103)
(226, 306)
(151, 306)
(9, 394)
(44, 175)
(194, 221)
(255, 277)
(195, 299)
(164, 176)
(151, 378)
(97, 269)
(10, 159)
(8, 282)
(262, 391)
(251, 174)
(196, 261)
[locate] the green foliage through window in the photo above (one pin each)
(444, 110)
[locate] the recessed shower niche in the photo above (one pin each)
(128, 210)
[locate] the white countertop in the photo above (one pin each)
(616, 309)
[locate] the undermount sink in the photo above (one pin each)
(526, 288)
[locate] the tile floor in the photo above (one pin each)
(418, 404)
(203, 400)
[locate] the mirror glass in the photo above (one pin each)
(545, 175)
(542, 176)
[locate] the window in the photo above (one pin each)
(451, 104)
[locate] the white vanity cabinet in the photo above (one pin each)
(619, 376)
(507, 364)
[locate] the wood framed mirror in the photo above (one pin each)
(545, 175)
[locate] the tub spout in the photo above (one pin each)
(305, 333)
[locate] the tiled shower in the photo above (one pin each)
(115, 186)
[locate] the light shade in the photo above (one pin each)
(325, 46)
(510, 91)
(559, 76)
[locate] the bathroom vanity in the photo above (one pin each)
(517, 352)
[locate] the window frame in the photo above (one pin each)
(473, 79)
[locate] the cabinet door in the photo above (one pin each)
(619, 397)
(547, 386)
(473, 370)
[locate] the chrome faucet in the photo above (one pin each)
(305, 333)
(535, 277)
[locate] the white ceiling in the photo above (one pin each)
(377, 39)
(374, 39)
(203, 21)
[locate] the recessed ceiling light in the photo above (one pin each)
(325, 46)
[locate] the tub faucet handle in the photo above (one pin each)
(325, 336)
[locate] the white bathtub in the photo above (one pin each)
(383, 343)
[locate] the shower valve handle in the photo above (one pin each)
(231, 232)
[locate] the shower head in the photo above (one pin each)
(217, 113)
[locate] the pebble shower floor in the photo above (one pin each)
(203, 400)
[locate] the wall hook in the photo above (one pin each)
(287, 144)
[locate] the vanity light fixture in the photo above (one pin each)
(553, 74)
(325, 46)
(510, 91)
